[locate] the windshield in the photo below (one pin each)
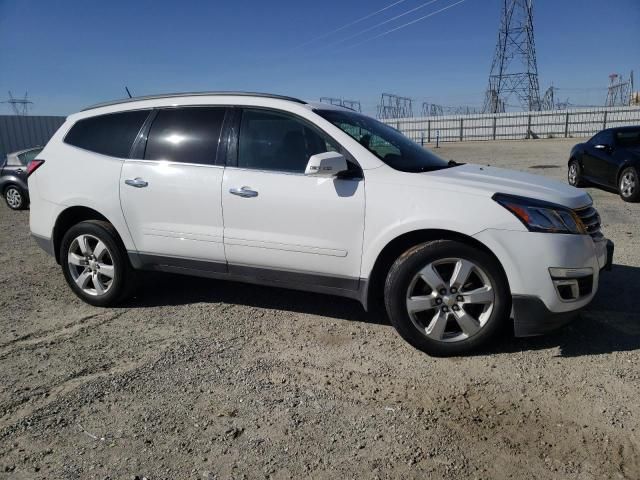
(386, 143)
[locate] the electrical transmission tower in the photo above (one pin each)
(432, 110)
(394, 106)
(620, 91)
(548, 101)
(341, 102)
(514, 70)
(20, 106)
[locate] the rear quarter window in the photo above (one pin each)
(112, 134)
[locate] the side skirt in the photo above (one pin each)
(340, 286)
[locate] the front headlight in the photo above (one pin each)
(540, 216)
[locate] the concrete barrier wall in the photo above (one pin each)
(18, 132)
(516, 125)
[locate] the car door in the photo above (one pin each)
(170, 191)
(16, 166)
(281, 223)
(598, 157)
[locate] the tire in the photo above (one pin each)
(15, 197)
(95, 264)
(574, 174)
(448, 319)
(629, 185)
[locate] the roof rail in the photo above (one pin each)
(193, 94)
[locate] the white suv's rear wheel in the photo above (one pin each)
(446, 297)
(94, 264)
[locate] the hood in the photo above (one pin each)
(483, 180)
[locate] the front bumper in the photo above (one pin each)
(532, 317)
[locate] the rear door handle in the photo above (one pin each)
(136, 182)
(244, 192)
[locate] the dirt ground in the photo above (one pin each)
(205, 379)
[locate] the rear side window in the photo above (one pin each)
(26, 157)
(187, 135)
(276, 141)
(111, 134)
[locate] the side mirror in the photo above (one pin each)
(327, 164)
(602, 147)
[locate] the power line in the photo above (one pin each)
(361, 19)
(406, 24)
(381, 23)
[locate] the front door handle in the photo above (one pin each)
(245, 192)
(136, 182)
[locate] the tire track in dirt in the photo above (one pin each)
(69, 330)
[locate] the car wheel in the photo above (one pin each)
(574, 174)
(14, 197)
(95, 264)
(629, 185)
(446, 297)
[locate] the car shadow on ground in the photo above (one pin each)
(160, 289)
(610, 323)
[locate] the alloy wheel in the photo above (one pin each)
(450, 300)
(14, 197)
(91, 265)
(628, 184)
(573, 174)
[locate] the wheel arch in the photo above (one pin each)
(70, 217)
(400, 244)
(629, 163)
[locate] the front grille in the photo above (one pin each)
(591, 220)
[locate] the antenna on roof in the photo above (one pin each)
(128, 92)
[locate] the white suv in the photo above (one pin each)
(273, 190)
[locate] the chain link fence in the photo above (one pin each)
(516, 125)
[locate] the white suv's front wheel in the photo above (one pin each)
(94, 264)
(446, 298)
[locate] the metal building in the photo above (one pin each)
(18, 132)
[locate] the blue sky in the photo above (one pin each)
(69, 54)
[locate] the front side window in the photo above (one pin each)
(628, 138)
(386, 143)
(111, 134)
(276, 141)
(186, 135)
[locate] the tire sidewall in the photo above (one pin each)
(22, 197)
(636, 195)
(101, 231)
(402, 273)
(578, 181)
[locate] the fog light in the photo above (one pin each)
(572, 283)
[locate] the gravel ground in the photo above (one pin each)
(205, 379)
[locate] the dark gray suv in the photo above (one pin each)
(13, 177)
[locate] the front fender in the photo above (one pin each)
(393, 211)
